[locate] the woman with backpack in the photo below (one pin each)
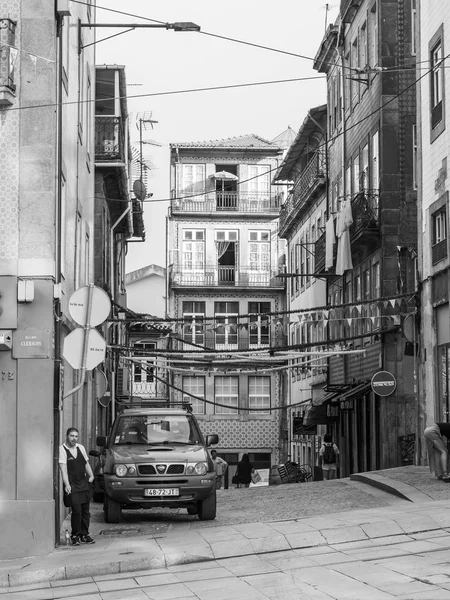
(329, 457)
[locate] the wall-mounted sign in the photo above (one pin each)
(333, 411)
(383, 383)
(31, 343)
(347, 404)
(298, 428)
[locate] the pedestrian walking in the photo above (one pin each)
(329, 457)
(244, 471)
(436, 437)
(76, 474)
(220, 466)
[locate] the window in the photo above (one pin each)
(259, 394)
(259, 250)
(415, 155)
(363, 46)
(365, 310)
(308, 257)
(105, 87)
(437, 93)
(226, 329)
(354, 85)
(374, 175)
(298, 266)
(364, 176)
(143, 380)
(195, 386)
(356, 182)
(226, 393)
(413, 26)
(373, 36)
(347, 81)
(357, 298)
(194, 326)
(376, 284)
(191, 181)
(439, 226)
(193, 249)
(259, 330)
(348, 179)
(259, 182)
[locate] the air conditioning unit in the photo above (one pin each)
(123, 381)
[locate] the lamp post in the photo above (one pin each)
(177, 26)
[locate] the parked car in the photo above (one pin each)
(156, 456)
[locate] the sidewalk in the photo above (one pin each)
(427, 509)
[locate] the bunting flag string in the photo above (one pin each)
(13, 50)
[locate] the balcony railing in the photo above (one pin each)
(365, 211)
(439, 251)
(238, 201)
(312, 177)
(229, 275)
(109, 139)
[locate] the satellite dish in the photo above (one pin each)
(139, 189)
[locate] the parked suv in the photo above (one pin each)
(157, 456)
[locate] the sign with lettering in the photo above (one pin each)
(31, 343)
(383, 383)
(347, 404)
(333, 411)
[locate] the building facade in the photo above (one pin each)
(222, 288)
(146, 290)
(368, 57)
(302, 222)
(433, 327)
(46, 241)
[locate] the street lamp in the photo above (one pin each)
(178, 26)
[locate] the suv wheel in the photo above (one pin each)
(112, 510)
(207, 508)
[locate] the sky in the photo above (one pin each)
(159, 61)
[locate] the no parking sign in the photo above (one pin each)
(383, 383)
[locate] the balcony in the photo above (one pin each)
(229, 201)
(439, 251)
(366, 216)
(225, 276)
(109, 140)
(308, 185)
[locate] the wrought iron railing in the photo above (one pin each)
(109, 139)
(237, 201)
(312, 176)
(439, 251)
(226, 275)
(365, 211)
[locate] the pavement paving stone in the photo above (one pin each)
(154, 580)
(417, 546)
(117, 584)
(176, 591)
(344, 534)
(118, 595)
(438, 579)
(75, 591)
(253, 565)
(413, 587)
(285, 561)
(391, 540)
(270, 544)
(416, 523)
(356, 545)
(305, 539)
(372, 574)
(332, 559)
(385, 552)
(338, 586)
(292, 526)
(66, 582)
(114, 576)
(219, 572)
(224, 589)
(415, 566)
(199, 566)
(434, 594)
(284, 585)
(380, 528)
(239, 547)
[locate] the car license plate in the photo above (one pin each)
(162, 492)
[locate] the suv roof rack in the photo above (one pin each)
(187, 406)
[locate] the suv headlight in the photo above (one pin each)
(200, 468)
(123, 470)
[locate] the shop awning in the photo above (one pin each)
(317, 413)
(360, 390)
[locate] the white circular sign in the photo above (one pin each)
(74, 344)
(78, 303)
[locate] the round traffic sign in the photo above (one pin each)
(74, 345)
(383, 383)
(78, 303)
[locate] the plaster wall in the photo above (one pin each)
(147, 295)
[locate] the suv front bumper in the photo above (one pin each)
(131, 491)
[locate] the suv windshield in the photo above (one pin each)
(157, 429)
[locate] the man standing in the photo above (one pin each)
(220, 466)
(329, 457)
(74, 466)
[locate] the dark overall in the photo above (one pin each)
(76, 471)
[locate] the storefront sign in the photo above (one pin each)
(31, 343)
(383, 383)
(347, 404)
(333, 411)
(298, 428)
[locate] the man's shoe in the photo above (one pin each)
(86, 539)
(75, 540)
